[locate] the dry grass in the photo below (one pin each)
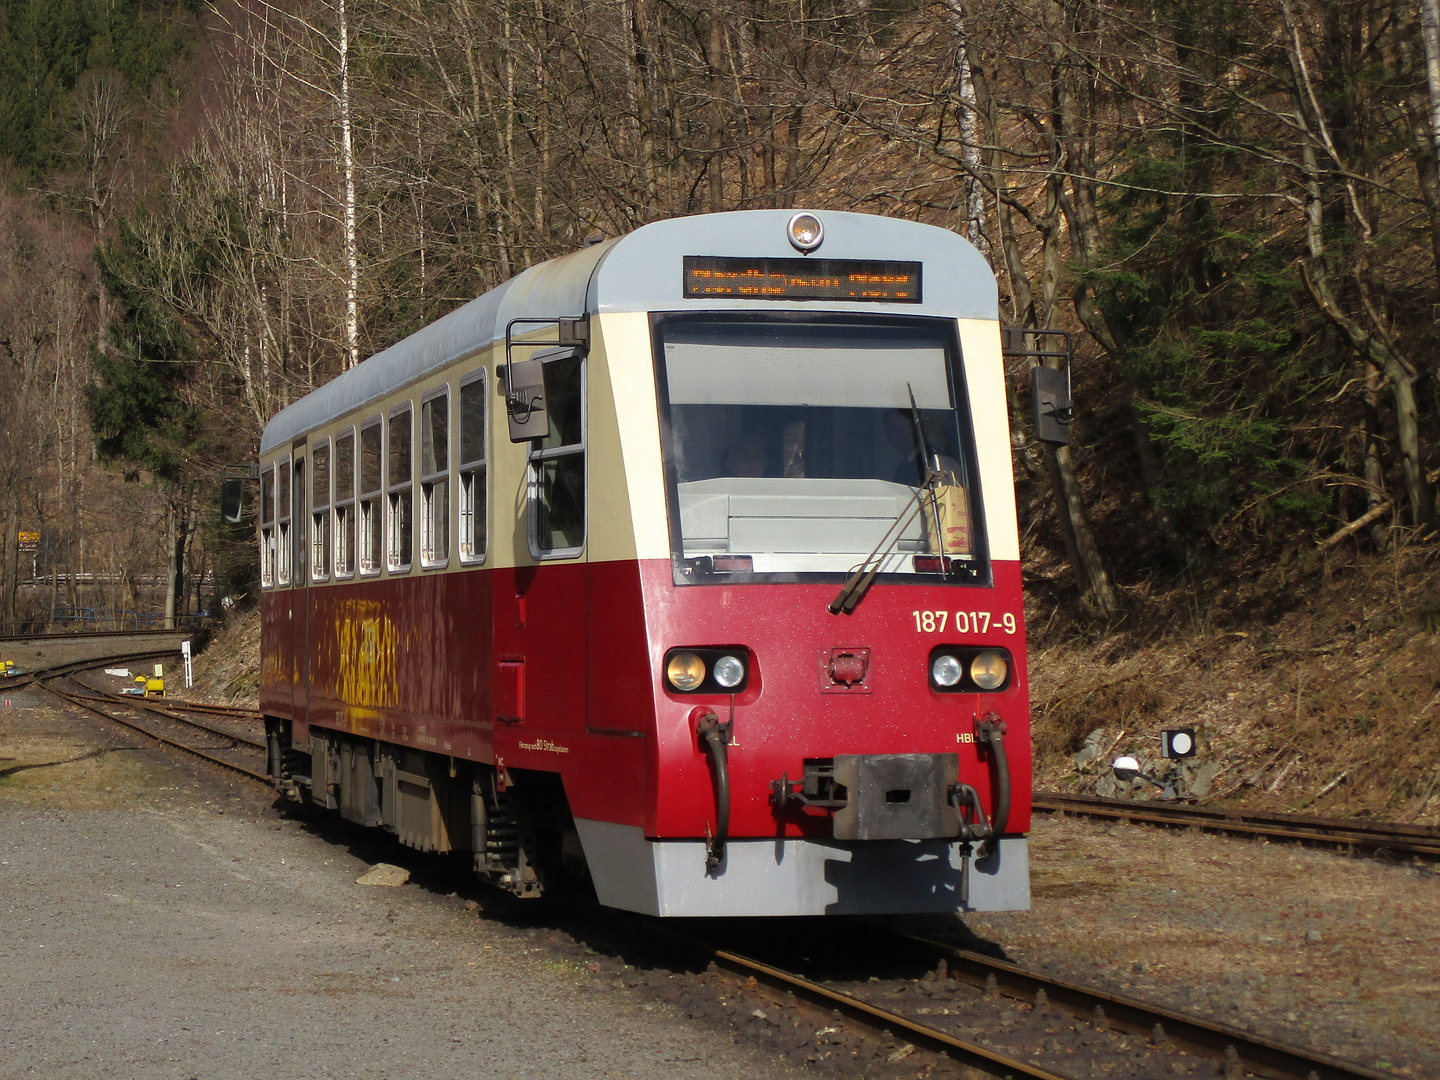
(228, 671)
(1331, 676)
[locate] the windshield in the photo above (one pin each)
(793, 446)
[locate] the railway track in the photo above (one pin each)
(29, 678)
(223, 742)
(1002, 1020)
(1376, 836)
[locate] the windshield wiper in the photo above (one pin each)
(858, 583)
(932, 465)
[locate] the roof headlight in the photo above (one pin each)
(685, 671)
(805, 232)
(729, 671)
(989, 669)
(946, 670)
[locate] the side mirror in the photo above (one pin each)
(1126, 769)
(525, 401)
(1050, 398)
(232, 500)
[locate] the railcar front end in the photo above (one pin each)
(712, 588)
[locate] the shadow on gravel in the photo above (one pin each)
(100, 753)
(823, 948)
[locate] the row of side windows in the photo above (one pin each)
(363, 510)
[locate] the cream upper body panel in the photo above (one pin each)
(617, 286)
(990, 414)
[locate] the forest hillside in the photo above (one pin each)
(208, 209)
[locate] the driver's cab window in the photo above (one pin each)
(557, 463)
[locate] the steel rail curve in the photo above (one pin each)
(84, 701)
(168, 706)
(1254, 1053)
(219, 710)
(1395, 837)
(18, 682)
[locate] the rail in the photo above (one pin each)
(1378, 836)
(28, 678)
(169, 710)
(1254, 1054)
(1168, 1032)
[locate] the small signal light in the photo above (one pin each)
(1177, 742)
(805, 232)
(733, 564)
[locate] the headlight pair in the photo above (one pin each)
(969, 671)
(714, 671)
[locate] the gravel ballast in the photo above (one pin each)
(156, 922)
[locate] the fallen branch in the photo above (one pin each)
(1373, 514)
(1331, 786)
(1280, 776)
(1254, 778)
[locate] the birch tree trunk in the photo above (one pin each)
(1430, 31)
(347, 156)
(11, 549)
(172, 544)
(968, 116)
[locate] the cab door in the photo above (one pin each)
(541, 605)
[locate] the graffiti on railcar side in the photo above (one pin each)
(368, 643)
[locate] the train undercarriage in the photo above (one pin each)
(516, 826)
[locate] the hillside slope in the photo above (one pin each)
(1313, 688)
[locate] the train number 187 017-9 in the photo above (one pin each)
(964, 622)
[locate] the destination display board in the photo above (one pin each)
(718, 277)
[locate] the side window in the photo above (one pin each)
(320, 511)
(435, 480)
(557, 464)
(282, 511)
(300, 523)
(399, 491)
(471, 540)
(370, 517)
(267, 527)
(345, 504)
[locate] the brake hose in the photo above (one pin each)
(715, 737)
(990, 731)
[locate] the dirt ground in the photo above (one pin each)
(1314, 687)
(161, 920)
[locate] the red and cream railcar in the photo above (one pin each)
(687, 562)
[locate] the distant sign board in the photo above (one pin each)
(29, 542)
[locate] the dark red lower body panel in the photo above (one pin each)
(558, 668)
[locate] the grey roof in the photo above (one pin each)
(642, 272)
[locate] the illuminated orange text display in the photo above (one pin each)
(801, 279)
